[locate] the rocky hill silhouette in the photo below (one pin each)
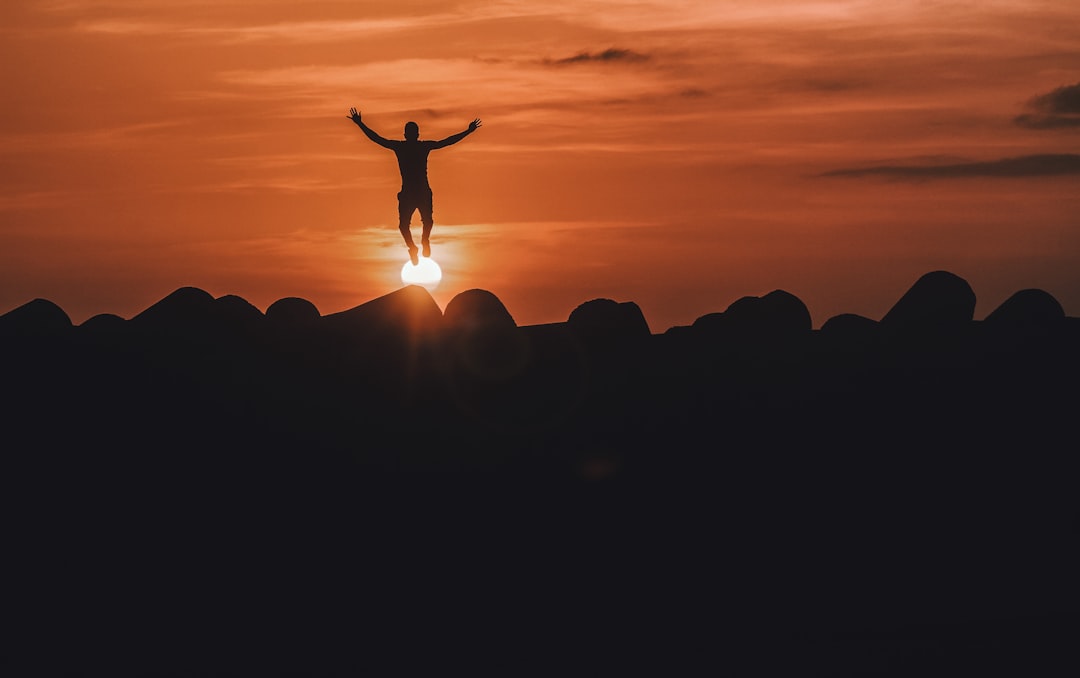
(205, 487)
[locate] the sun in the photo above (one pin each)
(427, 273)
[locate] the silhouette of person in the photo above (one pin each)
(412, 155)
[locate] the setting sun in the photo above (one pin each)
(426, 273)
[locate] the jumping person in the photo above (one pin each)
(412, 155)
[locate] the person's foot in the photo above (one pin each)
(427, 248)
(412, 255)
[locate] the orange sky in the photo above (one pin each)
(675, 154)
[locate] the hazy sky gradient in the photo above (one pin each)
(676, 154)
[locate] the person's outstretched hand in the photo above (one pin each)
(474, 124)
(354, 115)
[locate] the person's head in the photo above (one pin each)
(412, 131)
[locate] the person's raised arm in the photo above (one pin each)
(453, 139)
(354, 115)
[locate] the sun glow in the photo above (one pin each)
(426, 273)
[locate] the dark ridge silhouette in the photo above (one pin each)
(476, 309)
(408, 311)
(103, 322)
(938, 301)
(849, 325)
(775, 316)
(481, 338)
(1028, 309)
(238, 317)
(39, 317)
(607, 322)
(484, 364)
(209, 489)
(292, 311)
(847, 334)
(237, 310)
(184, 308)
(710, 322)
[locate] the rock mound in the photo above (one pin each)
(1027, 309)
(187, 307)
(938, 301)
(39, 317)
(606, 320)
(292, 311)
(103, 326)
(409, 311)
(237, 309)
(777, 315)
(476, 309)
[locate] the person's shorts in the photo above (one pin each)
(410, 201)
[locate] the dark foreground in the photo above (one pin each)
(206, 489)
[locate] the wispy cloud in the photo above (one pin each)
(1038, 165)
(471, 80)
(1057, 109)
(289, 31)
(275, 184)
(31, 200)
(129, 135)
(1061, 100)
(610, 55)
(646, 15)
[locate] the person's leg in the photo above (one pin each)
(428, 219)
(405, 209)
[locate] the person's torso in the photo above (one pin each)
(412, 161)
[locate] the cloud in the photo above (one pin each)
(609, 55)
(1039, 165)
(1061, 100)
(129, 135)
(694, 93)
(288, 31)
(447, 86)
(1053, 110)
(31, 200)
(1032, 121)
